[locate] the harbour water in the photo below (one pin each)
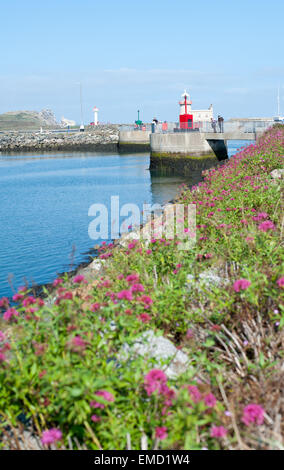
(45, 200)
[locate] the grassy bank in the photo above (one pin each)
(69, 367)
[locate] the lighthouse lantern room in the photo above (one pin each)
(185, 116)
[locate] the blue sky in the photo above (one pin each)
(133, 55)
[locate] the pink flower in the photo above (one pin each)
(132, 278)
(155, 380)
(146, 300)
(96, 404)
(241, 284)
(144, 317)
(161, 432)
(94, 307)
(253, 413)
(17, 297)
(194, 393)
(260, 216)
(30, 300)
(51, 436)
(210, 400)
(57, 282)
(218, 431)
(131, 245)
(10, 314)
(68, 295)
(105, 395)
(125, 294)
(280, 282)
(266, 225)
(106, 283)
(77, 344)
(137, 288)
(95, 418)
(79, 279)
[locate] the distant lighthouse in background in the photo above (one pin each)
(95, 109)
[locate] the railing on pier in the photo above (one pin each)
(241, 126)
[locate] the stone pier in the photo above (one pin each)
(134, 141)
(184, 152)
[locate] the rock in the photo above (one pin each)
(96, 264)
(149, 345)
(278, 173)
(211, 278)
(206, 279)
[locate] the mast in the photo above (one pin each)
(81, 105)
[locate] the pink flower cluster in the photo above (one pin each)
(77, 344)
(105, 395)
(161, 432)
(125, 294)
(266, 225)
(195, 395)
(218, 431)
(79, 279)
(253, 414)
(11, 314)
(241, 284)
(156, 379)
(5, 346)
(51, 436)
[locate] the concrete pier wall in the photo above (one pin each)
(182, 153)
(134, 141)
(187, 143)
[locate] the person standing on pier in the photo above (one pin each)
(213, 124)
(221, 123)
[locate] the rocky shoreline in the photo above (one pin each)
(100, 138)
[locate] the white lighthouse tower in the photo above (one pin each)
(95, 109)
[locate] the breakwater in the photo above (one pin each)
(182, 153)
(100, 138)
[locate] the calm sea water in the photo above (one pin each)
(44, 204)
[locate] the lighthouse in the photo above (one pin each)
(185, 116)
(95, 109)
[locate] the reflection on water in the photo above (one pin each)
(165, 188)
